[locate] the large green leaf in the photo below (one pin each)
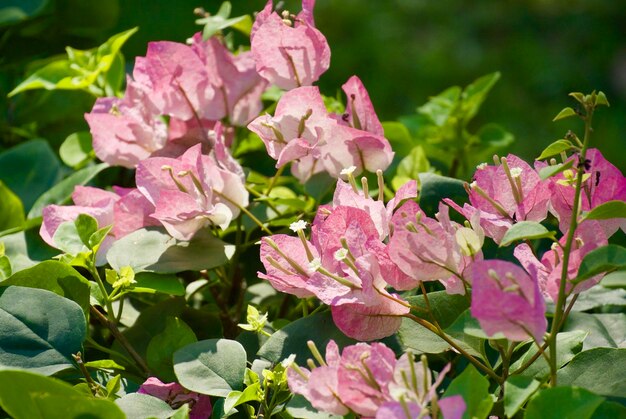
(214, 367)
(57, 277)
(11, 209)
(143, 406)
(563, 403)
(29, 170)
(600, 370)
(474, 388)
(608, 210)
(605, 330)
(25, 395)
(162, 347)
(568, 345)
(39, 330)
(156, 251)
(62, 192)
(292, 339)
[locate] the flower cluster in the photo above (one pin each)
(345, 263)
(369, 381)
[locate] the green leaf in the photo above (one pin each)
(76, 150)
(601, 99)
(608, 210)
(299, 407)
(605, 330)
(25, 395)
(475, 94)
(292, 339)
(600, 370)
(154, 250)
(435, 187)
(595, 297)
(565, 113)
(399, 137)
(470, 326)
(104, 364)
(162, 347)
(30, 169)
(11, 209)
(616, 279)
(555, 149)
(214, 367)
(62, 192)
(563, 403)
(86, 226)
(474, 388)
(39, 330)
(57, 277)
(440, 107)
(150, 282)
(603, 259)
(525, 230)
(609, 410)
(235, 398)
(143, 406)
(413, 164)
(5, 268)
(568, 345)
(552, 170)
(516, 391)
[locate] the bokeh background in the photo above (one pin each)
(403, 50)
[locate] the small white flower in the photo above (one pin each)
(516, 171)
(315, 264)
(348, 171)
(481, 166)
(341, 254)
(297, 226)
(472, 185)
(286, 363)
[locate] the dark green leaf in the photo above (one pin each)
(563, 403)
(604, 259)
(605, 330)
(76, 150)
(474, 388)
(516, 391)
(143, 406)
(11, 209)
(39, 330)
(214, 367)
(292, 338)
(609, 410)
(435, 187)
(162, 347)
(62, 192)
(156, 251)
(600, 370)
(30, 169)
(57, 277)
(568, 345)
(525, 230)
(555, 149)
(25, 395)
(608, 210)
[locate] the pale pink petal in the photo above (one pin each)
(359, 108)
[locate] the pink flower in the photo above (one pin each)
(360, 113)
(320, 386)
(602, 182)
(126, 131)
(364, 374)
(504, 194)
(289, 52)
(588, 236)
(426, 249)
(304, 133)
(176, 395)
(192, 191)
(505, 299)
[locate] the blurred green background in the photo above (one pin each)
(403, 50)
